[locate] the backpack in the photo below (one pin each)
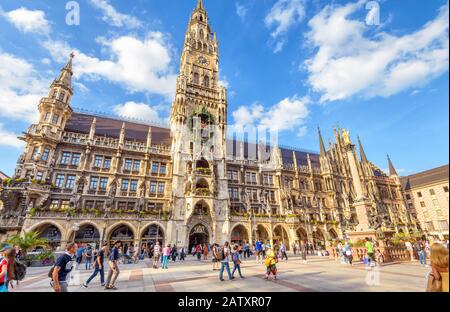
(20, 270)
(50, 273)
(89, 253)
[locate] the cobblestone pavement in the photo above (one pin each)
(319, 274)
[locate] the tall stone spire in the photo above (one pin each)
(65, 77)
(392, 171)
(200, 5)
(323, 151)
(361, 151)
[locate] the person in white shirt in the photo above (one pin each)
(409, 248)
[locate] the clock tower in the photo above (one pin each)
(199, 202)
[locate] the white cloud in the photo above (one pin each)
(139, 65)
(21, 88)
(139, 111)
(114, 18)
(241, 10)
(247, 116)
(28, 21)
(288, 114)
(8, 138)
(349, 63)
(283, 15)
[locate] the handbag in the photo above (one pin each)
(434, 284)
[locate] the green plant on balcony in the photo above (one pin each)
(32, 212)
(96, 212)
(130, 211)
(83, 211)
(7, 182)
(72, 212)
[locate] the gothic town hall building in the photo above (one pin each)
(90, 178)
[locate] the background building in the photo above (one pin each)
(91, 178)
(426, 197)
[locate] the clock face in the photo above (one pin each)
(202, 60)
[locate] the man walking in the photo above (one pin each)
(60, 273)
(156, 254)
(283, 251)
(113, 267)
(370, 252)
(258, 249)
(225, 262)
(98, 267)
(80, 252)
(421, 252)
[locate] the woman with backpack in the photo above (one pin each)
(236, 261)
(7, 269)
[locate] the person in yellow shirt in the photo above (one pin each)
(271, 262)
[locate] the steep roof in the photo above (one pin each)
(135, 131)
(424, 178)
(105, 126)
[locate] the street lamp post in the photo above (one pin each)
(75, 228)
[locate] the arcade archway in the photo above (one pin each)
(123, 233)
(261, 234)
(302, 235)
(239, 235)
(51, 234)
(318, 238)
(199, 234)
(86, 234)
(280, 235)
(152, 234)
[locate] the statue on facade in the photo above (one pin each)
(75, 201)
(79, 184)
(346, 137)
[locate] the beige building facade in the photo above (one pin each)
(426, 196)
(91, 178)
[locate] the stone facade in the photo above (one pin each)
(93, 178)
(426, 196)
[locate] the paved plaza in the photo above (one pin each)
(319, 274)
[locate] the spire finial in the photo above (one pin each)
(392, 171)
(361, 151)
(322, 146)
(199, 4)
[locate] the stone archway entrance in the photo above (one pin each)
(51, 233)
(239, 235)
(87, 234)
(152, 234)
(261, 234)
(318, 238)
(280, 235)
(123, 233)
(302, 235)
(198, 235)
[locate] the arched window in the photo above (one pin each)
(201, 34)
(206, 81)
(62, 95)
(199, 45)
(201, 18)
(196, 78)
(205, 47)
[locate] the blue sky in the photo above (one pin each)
(297, 64)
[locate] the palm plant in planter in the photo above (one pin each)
(28, 241)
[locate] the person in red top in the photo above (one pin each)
(198, 252)
(7, 268)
